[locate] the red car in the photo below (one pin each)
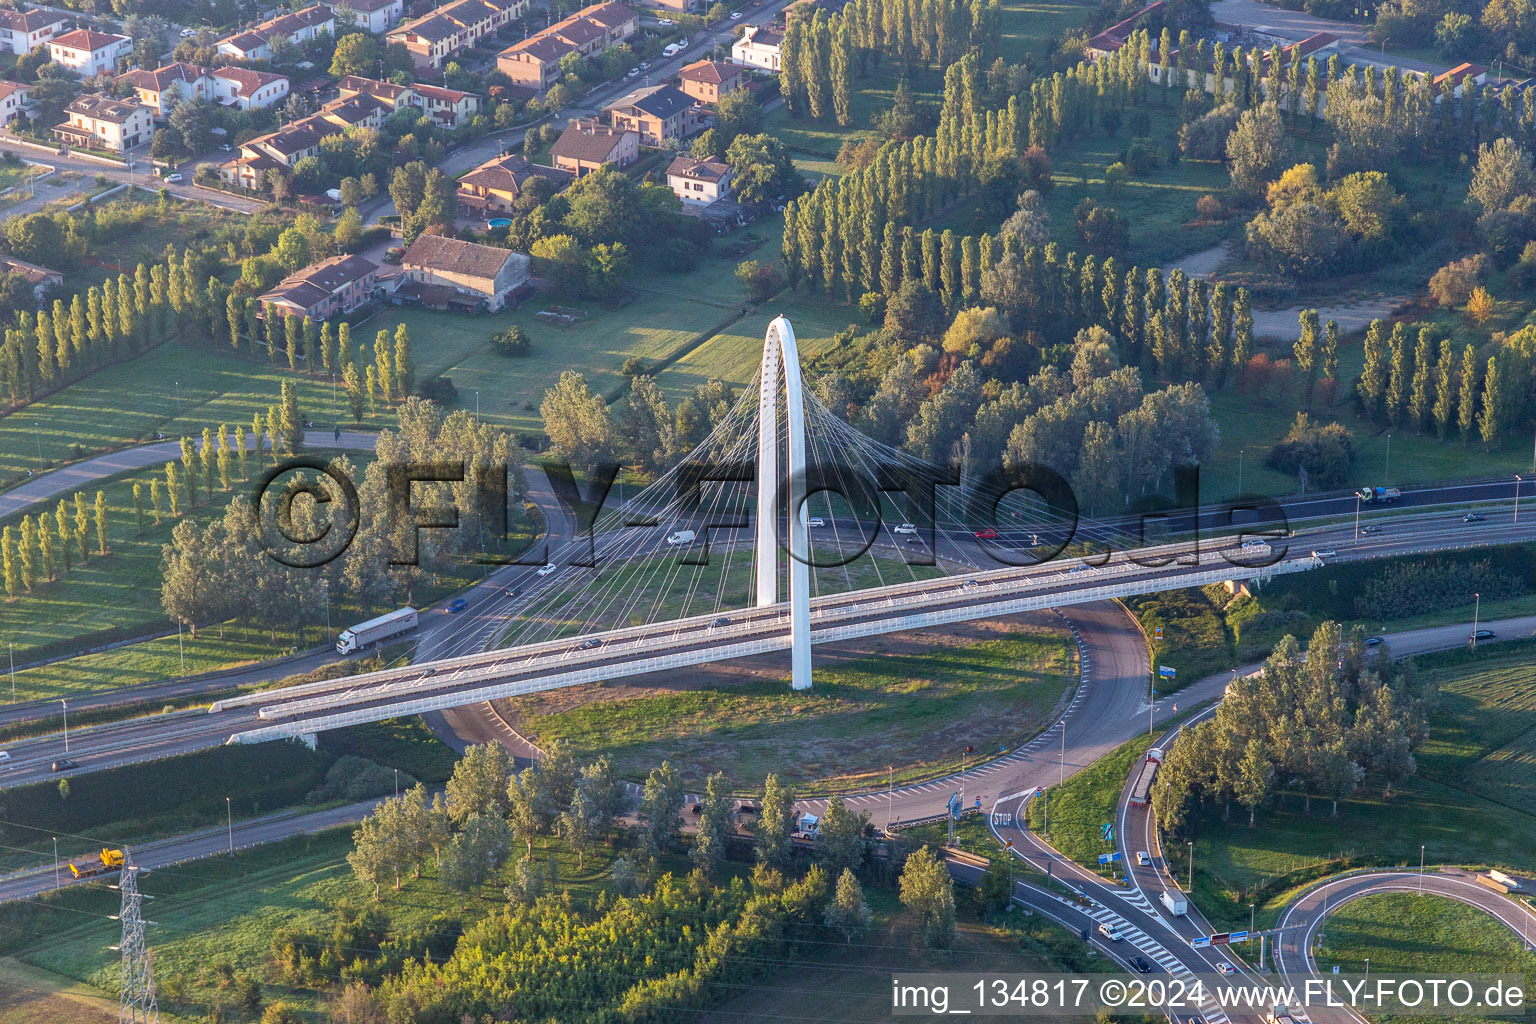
(987, 534)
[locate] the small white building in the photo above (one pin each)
(759, 47)
(15, 100)
(89, 53)
(94, 121)
(699, 182)
(247, 89)
(21, 32)
(376, 16)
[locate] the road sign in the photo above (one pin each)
(1237, 936)
(1107, 831)
(1157, 632)
(1109, 858)
(1201, 942)
(1335, 968)
(1008, 844)
(1167, 671)
(1220, 939)
(954, 805)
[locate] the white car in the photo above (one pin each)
(905, 528)
(735, 15)
(1222, 967)
(546, 569)
(633, 72)
(665, 21)
(5, 755)
(187, 33)
(1142, 860)
(174, 179)
(815, 521)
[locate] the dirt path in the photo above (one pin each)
(1281, 324)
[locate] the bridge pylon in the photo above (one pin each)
(780, 353)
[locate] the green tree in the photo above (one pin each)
(478, 784)
(1306, 351)
(661, 806)
(101, 522)
(405, 366)
(10, 563)
(1372, 386)
(929, 895)
(715, 825)
(527, 805)
(1491, 422)
(841, 844)
(848, 914)
(775, 824)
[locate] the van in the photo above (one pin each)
(457, 605)
(1111, 932)
(681, 537)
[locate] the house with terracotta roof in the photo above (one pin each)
(362, 111)
(535, 61)
(94, 121)
(1458, 76)
(374, 16)
(279, 151)
(162, 88)
(326, 289)
(441, 272)
(248, 89)
(1118, 34)
(255, 43)
(15, 100)
(586, 146)
(708, 80)
(495, 185)
(40, 278)
(436, 37)
(758, 46)
(397, 97)
(89, 53)
(448, 108)
(657, 112)
(21, 32)
(699, 182)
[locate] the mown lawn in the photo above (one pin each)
(913, 709)
(1471, 801)
(1080, 808)
(1424, 936)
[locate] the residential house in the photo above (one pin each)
(445, 272)
(330, 287)
(94, 121)
(255, 43)
(699, 182)
(21, 32)
(371, 15)
(279, 150)
(657, 112)
(15, 100)
(436, 37)
(758, 46)
(362, 111)
(535, 61)
(162, 88)
(708, 80)
(1118, 34)
(494, 186)
(89, 53)
(248, 89)
(397, 97)
(585, 146)
(680, 6)
(41, 278)
(448, 108)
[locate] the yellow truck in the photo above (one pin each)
(104, 863)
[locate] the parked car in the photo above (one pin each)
(546, 569)
(63, 764)
(187, 33)
(735, 15)
(394, 254)
(632, 73)
(665, 21)
(645, 65)
(697, 808)
(226, 147)
(174, 179)
(457, 605)
(1375, 641)
(1473, 517)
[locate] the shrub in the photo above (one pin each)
(1452, 284)
(1325, 452)
(356, 778)
(1480, 305)
(438, 389)
(1208, 208)
(1416, 588)
(872, 305)
(511, 341)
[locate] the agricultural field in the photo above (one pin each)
(913, 701)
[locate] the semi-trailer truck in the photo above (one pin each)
(103, 863)
(385, 627)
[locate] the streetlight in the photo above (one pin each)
(55, 862)
(1476, 608)
(1421, 869)
(1357, 517)
(1367, 968)
(64, 702)
(890, 795)
(1388, 472)
(1250, 922)
(325, 588)
(1240, 472)
(477, 408)
(229, 818)
(397, 783)
(1191, 844)
(1517, 497)
(12, 646)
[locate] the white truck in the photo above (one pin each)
(1175, 903)
(808, 827)
(681, 537)
(1503, 879)
(385, 627)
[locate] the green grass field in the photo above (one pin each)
(1433, 936)
(914, 709)
(1464, 805)
(1079, 808)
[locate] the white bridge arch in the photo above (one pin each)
(779, 351)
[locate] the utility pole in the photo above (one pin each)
(1357, 517)
(1421, 869)
(1240, 472)
(890, 796)
(181, 650)
(397, 783)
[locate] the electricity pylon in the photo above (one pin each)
(138, 987)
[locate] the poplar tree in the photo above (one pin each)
(1306, 352)
(1445, 393)
(1331, 358)
(28, 552)
(138, 509)
(101, 521)
(1373, 375)
(405, 366)
(9, 563)
(1466, 413)
(1399, 374)
(1490, 424)
(61, 517)
(1419, 400)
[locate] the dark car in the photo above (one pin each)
(721, 621)
(746, 808)
(1473, 517)
(1373, 528)
(63, 764)
(591, 644)
(457, 605)
(429, 673)
(1484, 634)
(1375, 641)
(697, 808)
(1140, 963)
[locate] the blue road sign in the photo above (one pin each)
(1236, 936)
(1201, 943)
(1167, 671)
(1109, 858)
